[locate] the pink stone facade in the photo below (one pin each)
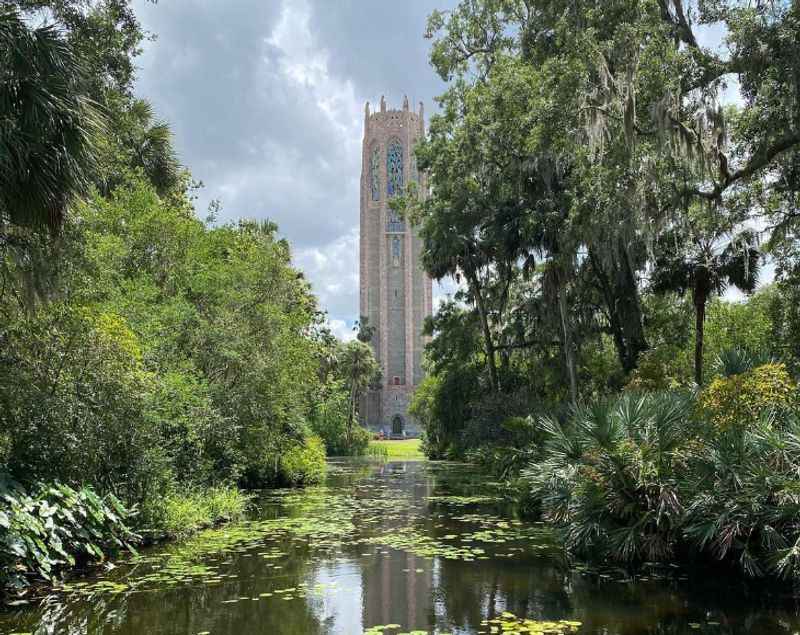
(395, 293)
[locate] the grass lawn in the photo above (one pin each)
(406, 449)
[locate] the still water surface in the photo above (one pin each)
(417, 545)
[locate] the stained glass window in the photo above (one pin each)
(394, 169)
(396, 251)
(375, 174)
(394, 222)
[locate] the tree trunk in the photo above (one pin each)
(621, 297)
(699, 325)
(569, 351)
(352, 417)
(630, 311)
(491, 359)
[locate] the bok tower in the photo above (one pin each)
(395, 292)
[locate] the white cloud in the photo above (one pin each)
(444, 290)
(332, 269)
(342, 330)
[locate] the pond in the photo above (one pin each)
(392, 548)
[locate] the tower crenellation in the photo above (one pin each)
(395, 292)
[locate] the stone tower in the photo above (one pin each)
(395, 293)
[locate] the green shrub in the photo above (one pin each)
(85, 419)
(743, 495)
(304, 463)
(640, 479)
(358, 441)
(174, 355)
(741, 399)
(608, 476)
(55, 527)
(331, 422)
(439, 405)
(181, 514)
(663, 368)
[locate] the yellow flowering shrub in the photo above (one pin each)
(739, 399)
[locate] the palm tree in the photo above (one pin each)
(150, 143)
(360, 370)
(705, 268)
(48, 125)
(364, 330)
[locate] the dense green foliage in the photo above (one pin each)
(597, 195)
(52, 527)
(304, 463)
(639, 478)
(332, 423)
(174, 352)
(158, 359)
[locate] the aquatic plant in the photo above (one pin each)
(55, 526)
(184, 513)
(507, 622)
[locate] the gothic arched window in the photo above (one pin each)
(394, 168)
(375, 173)
(396, 251)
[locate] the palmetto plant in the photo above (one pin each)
(609, 479)
(735, 361)
(636, 479)
(48, 125)
(745, 503)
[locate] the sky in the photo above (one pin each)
(265, 99)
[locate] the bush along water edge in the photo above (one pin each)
(49, 529)
(670, 476)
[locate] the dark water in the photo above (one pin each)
(419, 545)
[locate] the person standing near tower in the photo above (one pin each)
(395, 293)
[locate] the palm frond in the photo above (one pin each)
(49, 124)
(739, 262)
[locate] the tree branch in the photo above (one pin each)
(759, 160)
